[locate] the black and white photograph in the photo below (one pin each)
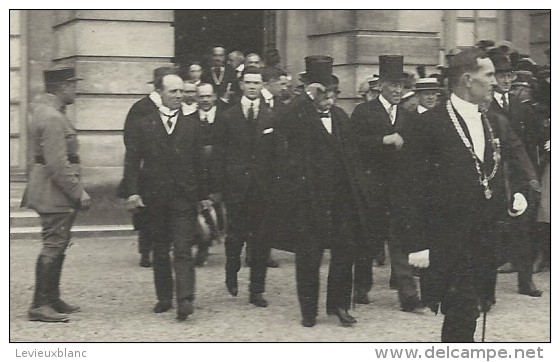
(295, 175)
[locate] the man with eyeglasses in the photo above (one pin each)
(518, 230)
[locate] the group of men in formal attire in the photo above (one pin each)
(229, 147)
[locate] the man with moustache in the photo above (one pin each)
(162, 177)
(275, 87)
(221, 75)
(236, 60)
(244, 178)
(453, 166)
(189, 106)
(380, 125)
(317, 200)
(194, 73)
(427, 90)
(519, 230)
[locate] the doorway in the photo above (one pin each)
(197, 31)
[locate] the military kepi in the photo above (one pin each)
(318, 69)
(57, 75)
(391, 67)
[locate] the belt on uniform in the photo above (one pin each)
(71, 158)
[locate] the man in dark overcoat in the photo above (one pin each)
(317, 189)
(453, 164)
(519, 231)
(380, 125)
(162, 176)
(147, 105)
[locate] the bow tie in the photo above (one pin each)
(325, 114)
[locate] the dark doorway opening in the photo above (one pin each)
(197, 31)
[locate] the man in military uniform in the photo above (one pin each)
(54, 190)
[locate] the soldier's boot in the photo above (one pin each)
(41, 310)
(54, 296)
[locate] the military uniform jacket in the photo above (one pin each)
(54, 182)
(445, 202)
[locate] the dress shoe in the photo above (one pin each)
(145, 260)
(361, 297)
(162, 306)
(411, 304)
(309, 321)
(506, 268)
(62, 307)
(231, 285)
(272, 263)
(46, 313)
(184, 308)
(531, 291)
(258, 300)
(345, 318)
(201, 257)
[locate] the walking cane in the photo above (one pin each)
(484, 326)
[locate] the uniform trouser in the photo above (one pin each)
(144, 243)
(401, 271)
(363, 274)
(244, 225)
(56, 232)
(172, 225)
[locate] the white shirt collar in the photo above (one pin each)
(156, 98)
(266, 94)
(210, 115)
(387, 105)
(240, 67)
(188, 109)
(246, 104)
(421, 109)
(165, 118)
(472, 117)
(498, 96)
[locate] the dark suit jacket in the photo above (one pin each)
(524, 122)
(303, 186)
(160, 167)
(142, 108)
(246, 159)
(229, 77)
(444, 201)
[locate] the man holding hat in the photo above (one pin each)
(54, 190)
(427, 90)
(145, 106)
(453, 167)
(380, 126)
(524, 122)
(318, 192)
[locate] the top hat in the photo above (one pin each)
(427, 84)
(162, 72)
(65, 74)
(501, 62)
(391, 67)
(318, 69)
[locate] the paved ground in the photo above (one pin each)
(116, 296)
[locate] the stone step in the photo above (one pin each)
(34, 232)
(24, 217)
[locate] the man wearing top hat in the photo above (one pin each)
(145, 106)
(453, 167)
(380, 125)
(317, 193)
(524, 122)
(54, 190)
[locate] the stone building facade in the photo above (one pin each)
(116, 50)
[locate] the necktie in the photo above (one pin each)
(169, 122)
(391, 117)
(217, 72)
(204, 119)
(505, 104)
(325, 114)
(251, 113)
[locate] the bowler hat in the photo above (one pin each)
(65, 74)
(391, 67)
(162, 72)
(501, 62)
(318, 69)
(485, 44)
(427, 84)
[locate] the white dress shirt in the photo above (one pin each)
(391, 109)
(472, 117)
(164, 112)
(499, 98)
(326, 118)
(210, 115)
(421, 109)
(246, 105)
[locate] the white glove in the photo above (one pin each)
(420, 259)
(519, 205)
